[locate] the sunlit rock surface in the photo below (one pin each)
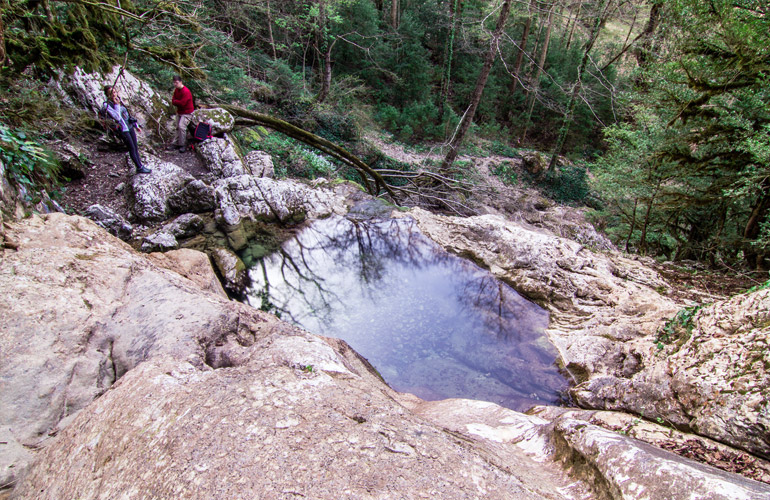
(87, 89)
(259, 198)
(722, 372)
(221, 158)
(167, 191)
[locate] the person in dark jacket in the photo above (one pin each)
(183, 101)
(123, 124)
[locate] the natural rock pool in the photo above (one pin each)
(432, 324)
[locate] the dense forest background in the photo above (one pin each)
(661, 107)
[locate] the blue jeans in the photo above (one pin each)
(129, 138)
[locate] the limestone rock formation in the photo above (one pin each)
(721, 374)
(82, 309)
(232, 269)
(137, 380)
(87, 89)
(617, 466)
(259, 198)
(159, 241)
(221, 121)
(260, 164)
(605, 313)
(221, 158)
(109, 220)
(193, 265)
(167, 191)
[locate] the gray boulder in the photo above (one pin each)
(159, 241)
(221, 157)
(110, 220)
(221, 121)
(256, 198)
(260, 164)
(167, 191)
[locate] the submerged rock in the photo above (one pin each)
(232, 269)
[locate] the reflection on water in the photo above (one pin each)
(431, 323)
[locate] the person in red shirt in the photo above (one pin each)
(183, 101)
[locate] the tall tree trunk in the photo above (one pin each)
(633, 224)
(598, 22)
(454, 16)
(538, 70)
(481, 82)
(516, 73)
(522, 48)
(326, 83)
(394, 14)
(646, 223)
(750, 233)
(574, 24)
(323, 49)
(643, 52)
(270, 32)
(2, 43)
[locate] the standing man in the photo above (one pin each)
(183, 101)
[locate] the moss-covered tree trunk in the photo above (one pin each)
(319, 143)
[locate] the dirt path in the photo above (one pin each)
(108, 173)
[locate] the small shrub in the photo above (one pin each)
(678, 329)
(502, 149)
(568, 184)
(27, 162)
(507, 173)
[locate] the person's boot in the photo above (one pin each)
(143, 170)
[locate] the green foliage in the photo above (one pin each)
(291, 158)
(507, 173)
(26, 161)
(693, 165)
(567, 184)
(756, 288)
(679, 328)
(503, 149)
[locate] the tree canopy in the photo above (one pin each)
(662, 103)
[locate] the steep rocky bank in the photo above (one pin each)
(133, 375)
(121, 375)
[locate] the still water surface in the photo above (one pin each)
(432, 324)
